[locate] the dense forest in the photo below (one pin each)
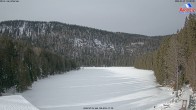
(87, 46)
(174, 63)
(21, 64)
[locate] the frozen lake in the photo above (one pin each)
(111, 88)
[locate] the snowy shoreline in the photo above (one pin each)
(120, 88)
(176, 103)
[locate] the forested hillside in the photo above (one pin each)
(176, 56)
(21, 64)
(87, 46)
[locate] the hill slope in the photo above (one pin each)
(87, 46)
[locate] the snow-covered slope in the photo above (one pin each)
(89, 46)
(176, 103)
(15, 102)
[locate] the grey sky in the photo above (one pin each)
(148, 17)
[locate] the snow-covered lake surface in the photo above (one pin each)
(112, 88)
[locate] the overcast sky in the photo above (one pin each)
(147, 17)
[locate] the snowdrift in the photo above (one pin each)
(15, 102)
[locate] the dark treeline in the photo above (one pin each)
(177, 54)
(21, 64)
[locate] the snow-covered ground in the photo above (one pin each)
(15, 102)
(176, 103)
(109, 88)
